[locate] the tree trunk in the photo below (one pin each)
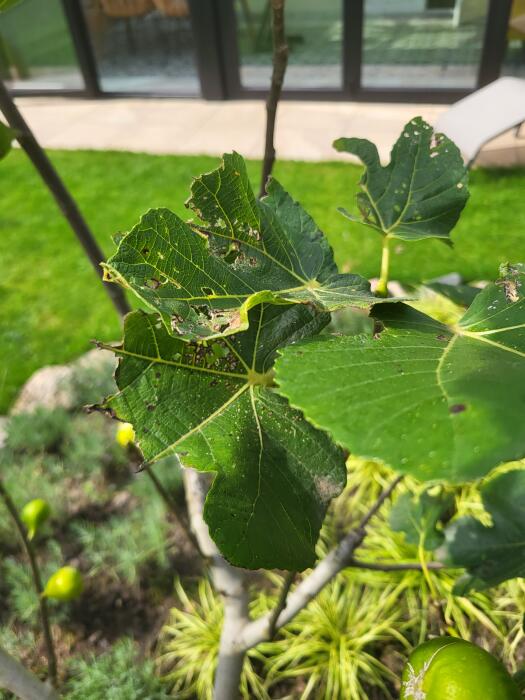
(280, 61)
(25, 685)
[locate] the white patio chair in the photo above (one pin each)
(489, 112)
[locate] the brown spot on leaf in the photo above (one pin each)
(458, 408)
(326, 488)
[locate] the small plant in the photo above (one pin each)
(40, 431)
(116, 675)
(190, 647)
(333, 644)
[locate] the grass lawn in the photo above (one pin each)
(51, 304)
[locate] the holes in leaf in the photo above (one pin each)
(207, 291)
(231, 256)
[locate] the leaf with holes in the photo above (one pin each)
(491, 553)
(420, 193)
(420, 517)
(213, 404)
(435, 401)
(204, 279)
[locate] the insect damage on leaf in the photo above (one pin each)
(213, 403)
(434, 400)
(203, 278)
(420, 193)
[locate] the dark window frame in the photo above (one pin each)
(217, 57)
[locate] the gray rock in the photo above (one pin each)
(55, 387)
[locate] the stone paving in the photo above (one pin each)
(305, 130)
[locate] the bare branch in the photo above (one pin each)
(37, 580)
(171, 505)
(229, 581)
(281, 603)
(384, 495)
(339, 558)
(21, 682)
(280, 61)
(393, 566)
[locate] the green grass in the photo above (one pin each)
(51, 304)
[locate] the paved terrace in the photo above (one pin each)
(305, 130)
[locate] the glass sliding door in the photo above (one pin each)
(515, 55)
(143, 45)
(36, 50)
(434, 44)
(314, 32)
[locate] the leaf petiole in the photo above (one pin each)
(382, 285)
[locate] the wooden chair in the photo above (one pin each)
(173, 8)
(125, 9)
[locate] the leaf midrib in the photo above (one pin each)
(168, 450)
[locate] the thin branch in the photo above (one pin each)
(24, 684)
(388, 566)
(279, 61)
(229, 581)
(339, 558)
(281, 603)
(61, 194)
(37, 580)
(383, 496)
(172, 506)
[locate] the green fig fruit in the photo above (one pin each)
(65, 584)
(34, 514)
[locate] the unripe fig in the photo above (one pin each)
(34, 514)
(125, 434)
(65, 584)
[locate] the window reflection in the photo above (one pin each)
(143, 45)
(423, 43)
(314, 32)
(515, 56)
(36, 50)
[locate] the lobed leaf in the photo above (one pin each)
(432, 400)
(204, 279)
(420, 193)
(491, 554)
(212, 403)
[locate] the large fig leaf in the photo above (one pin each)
(436, 401)
(491, 554)
(420, 193)
(212, 404)
(203, 279)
